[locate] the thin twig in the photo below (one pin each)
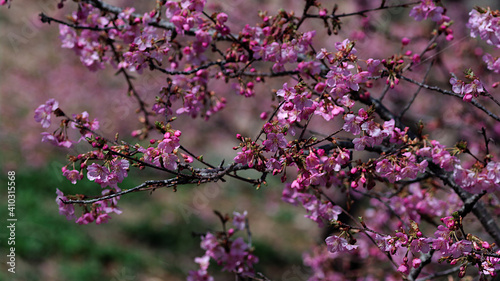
(416, 93)
(437, 89)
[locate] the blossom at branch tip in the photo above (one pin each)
(338, 244)
(486, 25)
(427, 9)
(239, 220)
(56, 140)
(275, 142)
(72, 175)
(493, 63)
(67, 210)
(44, 111)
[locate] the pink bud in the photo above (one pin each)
(320, 87)
(416, 263)
(222, 18)
(152, 141)
(263, 115)
(354, 170)
(362, 180)
(416, 58)
(405, 41)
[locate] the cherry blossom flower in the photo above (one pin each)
(485, 25)
(239, 220)
(67, 210)
(427, 9)
(72, 175)
(338, 244)
(44, 111)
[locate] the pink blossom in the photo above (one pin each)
(67, 210)
(59, 140)
(485, 25)
(43, 112)
(420, 245)
(493, 63)
(72, 175)
(244, 157)
(199, 275)
(337, 244)
(98, 173)
(102, 218)
(85, 219)
(118, 170)
(239, 220)
(462, 247)
(275, 142)
(352, 124)
(383, 242)
(427, 9)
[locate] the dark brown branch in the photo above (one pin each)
(157, 183)
(437, 89)
(200, 176)
(426, 259)
(46, 19)
(478, 208)
(362, 12)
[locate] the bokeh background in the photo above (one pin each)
(153, 238)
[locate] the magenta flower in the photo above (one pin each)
(67, 210)
(492, 63)
(118, 170)
(420, 245)
(275, 142)
(72, 175)
(485, 25)
(43, 112)
(239, 220)
(204, 262)
(427, 9)
(58, 140)
(98, 173)
(462, 247)
(337, 244)
(85, 219)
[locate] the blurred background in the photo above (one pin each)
(153, 238)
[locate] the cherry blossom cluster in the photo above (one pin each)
(114, 167)
(165, 153)
(81, 122)
(396, 180)
(467, 90)
(228, 251)
(484, 23)
(429, 10)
